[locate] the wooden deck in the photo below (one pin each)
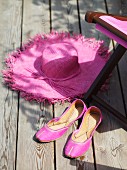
(19, 120)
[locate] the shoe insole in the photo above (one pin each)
(87, 127)
(68, 119)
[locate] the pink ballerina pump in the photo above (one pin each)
(56, 127)
(81, 138)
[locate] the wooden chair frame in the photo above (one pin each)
(93, 17)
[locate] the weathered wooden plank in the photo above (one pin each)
(110, 137)
(114, 137)
(30, 154)
(123, 10)
(36, 18)
(61, 12)
(10, 31)
(65, 18)
(110, 146)
(89, 30)
(109, 132)
(119, 159)
(39, 155)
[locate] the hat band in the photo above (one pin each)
(43, 76)
(52, 82)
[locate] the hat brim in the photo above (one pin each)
(25, 75)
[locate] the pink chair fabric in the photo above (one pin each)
(118, 24)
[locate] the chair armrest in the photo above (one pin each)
(93, 17)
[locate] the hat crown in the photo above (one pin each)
(60, 61)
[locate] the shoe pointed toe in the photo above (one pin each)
(56, 127)
(81, 139)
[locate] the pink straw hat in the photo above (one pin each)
(55, 66)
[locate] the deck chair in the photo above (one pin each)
(107, 24)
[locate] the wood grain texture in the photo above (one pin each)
(89, 30)
(10, 32)
(120, 140)
(31, 154)
(123, 10)
(65, 17)
(34, 155)
(110, 135)
(36, 18)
